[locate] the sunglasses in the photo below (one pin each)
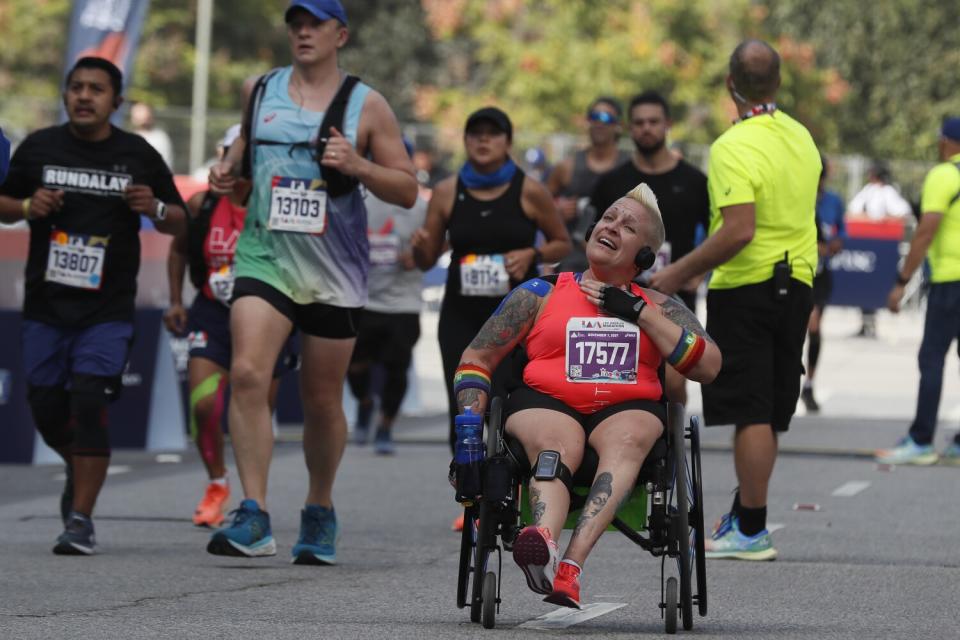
(602, 116)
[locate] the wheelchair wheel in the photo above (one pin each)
(681, 525)
(488, 615)
(670, 606)
(481, 552)
(466, 554)
(700, 555)
(493, 426)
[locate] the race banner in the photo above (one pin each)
(106, 29)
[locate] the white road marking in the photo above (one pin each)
(850, 489)
(564, 617)
(775, 526)
(117, 469)
(168, 458)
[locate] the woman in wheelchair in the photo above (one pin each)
(595, 342)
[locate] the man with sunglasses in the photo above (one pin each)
(681, 190)
(572, 181)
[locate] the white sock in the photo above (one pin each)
(220, 481)
(572, 562)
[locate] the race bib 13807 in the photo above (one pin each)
(76, 260)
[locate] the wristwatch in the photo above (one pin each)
(160, 212)
(901, 280)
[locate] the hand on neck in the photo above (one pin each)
(614, 278)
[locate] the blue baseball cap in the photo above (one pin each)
(322, 9)
(951, 129)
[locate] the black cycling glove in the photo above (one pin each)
(622, 304)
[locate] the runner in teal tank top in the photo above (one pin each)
(301, 264)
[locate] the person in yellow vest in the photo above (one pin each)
(937, 237)
(762, 248)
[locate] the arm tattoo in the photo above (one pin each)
(468, 397)
(537, 506)
(513, 321)
(597, 499)
(680, 315)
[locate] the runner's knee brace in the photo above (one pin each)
(51, 413)
(549, 467)
(89, 397)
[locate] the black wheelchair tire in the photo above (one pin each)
(494, 423)
(670, 606)
(700, 553)
(466, 554)
(488, 616)
(480, 560)
(682, 527)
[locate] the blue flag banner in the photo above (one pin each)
(106, 29)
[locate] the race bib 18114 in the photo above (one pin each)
(384, 249)
(484, 275)
(297, 205)
(602, 350)
(76, 260)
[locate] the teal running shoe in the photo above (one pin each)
(248, 536)
(951, 455)
(77, 537)
(729, 542)
(317, 543)
(907, 452)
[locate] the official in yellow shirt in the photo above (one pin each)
(762, 248)
(938, 238)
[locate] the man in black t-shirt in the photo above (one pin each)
(681, 191)
(82, 187)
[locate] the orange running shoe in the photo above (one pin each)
(209, 512)
(457, 523)
(566, 586)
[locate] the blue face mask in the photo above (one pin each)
(4, 156)
(473, 179)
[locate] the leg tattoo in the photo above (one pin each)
(537, 506)
(597, 499)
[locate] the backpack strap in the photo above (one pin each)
(197, 229)
(250, 117)
(337, 183)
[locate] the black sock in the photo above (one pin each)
(752, 521)
(735, 507)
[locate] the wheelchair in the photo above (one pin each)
(663, 515)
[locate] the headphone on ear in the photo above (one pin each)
(644, 259)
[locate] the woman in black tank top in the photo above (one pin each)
(491, 212)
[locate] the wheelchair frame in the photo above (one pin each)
(673, 530)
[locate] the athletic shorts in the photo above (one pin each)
(526, 398)
(822, 287)
(52, 354)
(208, 336)
(387, 338)
(761, 340)
(315, 319)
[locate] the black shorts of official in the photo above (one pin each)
(386, 338)
(526, 398)
(761, 341)
(208, 337)
(822, 288)
(314, 319)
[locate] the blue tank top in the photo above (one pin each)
(328, 267)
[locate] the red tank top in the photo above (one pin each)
(226, 223)
(587, 359)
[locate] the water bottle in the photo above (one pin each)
(469, 453)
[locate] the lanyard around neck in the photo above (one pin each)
(760, 109)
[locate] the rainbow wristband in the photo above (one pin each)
(688, 352)
(471, 376)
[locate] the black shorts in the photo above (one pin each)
(315, 319)
(526, 398)
(208, 337)
(822, 287)
(387, 338)
(761, 340)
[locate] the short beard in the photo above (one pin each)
(648, 151)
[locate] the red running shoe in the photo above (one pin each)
(566, 587)
(537, 555)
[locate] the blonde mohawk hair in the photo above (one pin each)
(645, 196)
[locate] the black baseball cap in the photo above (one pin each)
(493, 115)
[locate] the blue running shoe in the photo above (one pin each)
(729, 542)
(77, 537)
(318, 536)
(248, 536)
(907, 452)
(383, 443)
(951, 455)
